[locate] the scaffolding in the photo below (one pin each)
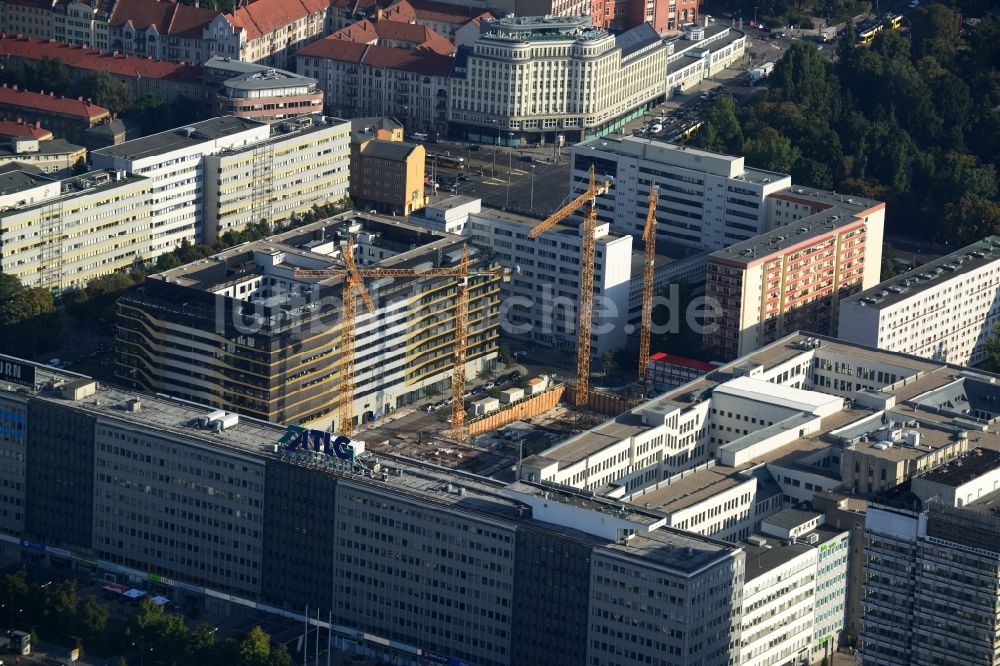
(51, 272)
(262, 182)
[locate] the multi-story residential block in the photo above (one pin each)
(793, 277)
(303, 162)
(66, 118)
(267, 31)
(706, 200)
(534, 79)
(144, 28)
(932, 572)
(174, 162)
(540, 300)
(386, 172)
(362, 79)
(524, 573)
(59, 234)
(945, 310)
(280, 355)
(221, 174)
(263, 93)
(847, 513)
(31, 18)
(458, 24)
(166, 80)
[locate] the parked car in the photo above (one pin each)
(526, 158)
(489, 385)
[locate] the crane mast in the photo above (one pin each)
(649, 237)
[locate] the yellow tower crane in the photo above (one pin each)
(354, 281)
(593, 191)
(649, 237)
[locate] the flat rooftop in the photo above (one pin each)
(531, 222)
(179, 138)
(965, 468)
(666, 254)
(92, 182)
(936, 272)
(316, 246)
(676, 550)
(692, 489)
(779, 240)
(717, 37)
(791, 518)
(15, 180)
(761, 560)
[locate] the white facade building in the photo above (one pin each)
(540, 301)
(944, 310)
(706, 200)
(219, 175)
(174, 161)
(59, 234)
(701, 53)
(535, 78)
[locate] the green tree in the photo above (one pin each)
(505, 355)
(608, 362)
(109, 92)
(992, 350)
(721, 130)
(61, 605)
(255, 650)
(93, 618)
(935, 33)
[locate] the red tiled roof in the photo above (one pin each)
(265, 16)
(78, 57)
(368, 32)
(170, 18)
(443, 12)
(385, 57)
(51, 103)
(20, 128)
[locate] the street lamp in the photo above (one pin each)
(497, 143)
(531, 201)
(510, 164)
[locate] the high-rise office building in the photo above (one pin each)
(230, 513)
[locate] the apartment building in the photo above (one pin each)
(283, 358)
(794, 276)
(31, 18)
(302, 162)
(528, 573)
(143, 28)
(166, 80)
(931, 572)
(381, 79)
(59, 234)
(706, 200)
(387, 174)
(540, 299)
(174, 162)
(268, 32)
(945, 310)
(534, 79)
(263, 93)
(221, 174)
(68, 119)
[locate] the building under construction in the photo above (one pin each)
(242, 331)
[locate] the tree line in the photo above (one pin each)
(149, 111)
(54, 612)
(913, 120)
